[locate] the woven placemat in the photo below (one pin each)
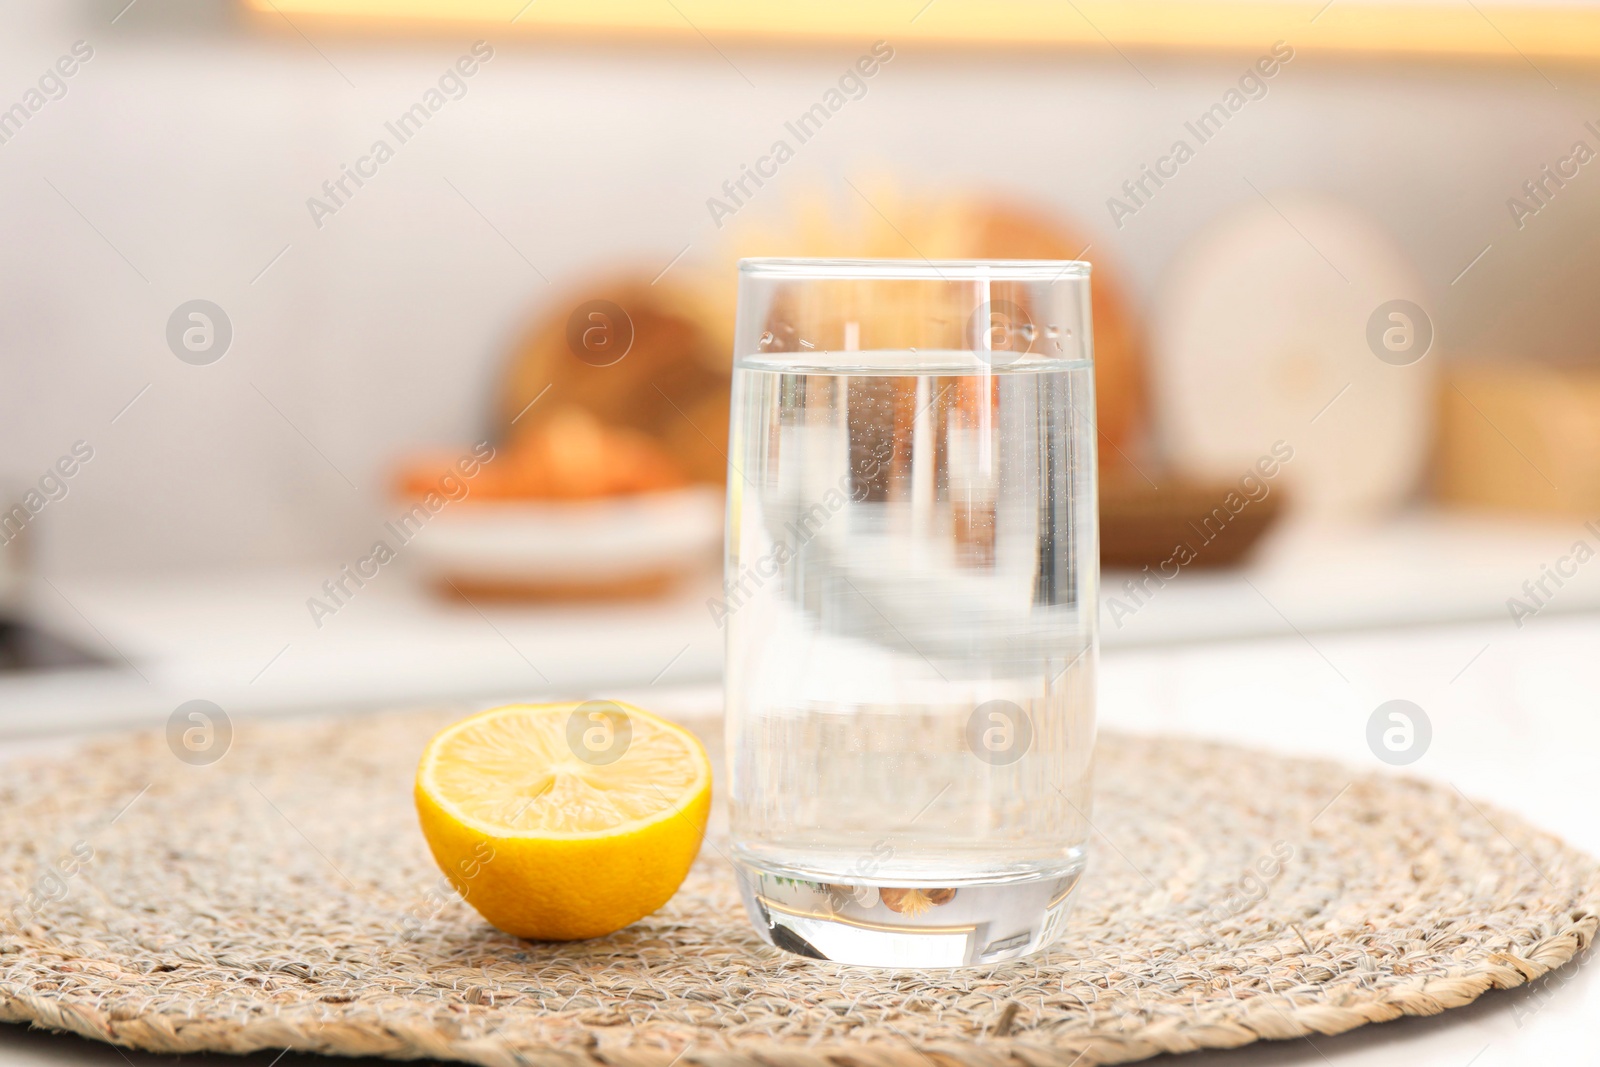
(283, 898)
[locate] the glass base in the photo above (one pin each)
(887, 926)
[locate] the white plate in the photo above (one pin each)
(1261, 336)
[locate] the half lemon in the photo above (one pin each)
(564, 821)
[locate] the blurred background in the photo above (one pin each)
(359, 351)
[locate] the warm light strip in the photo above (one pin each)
(1421, 28)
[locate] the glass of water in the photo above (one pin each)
(910, 605)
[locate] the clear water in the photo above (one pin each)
(912, 574)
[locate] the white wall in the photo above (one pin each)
(192, 150)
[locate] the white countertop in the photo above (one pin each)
(1513, 709)
(1514, 722)
(247, 641)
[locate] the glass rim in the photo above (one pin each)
(945, 270)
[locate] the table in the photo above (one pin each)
(1514, 721)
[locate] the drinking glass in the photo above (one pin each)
(910, 605)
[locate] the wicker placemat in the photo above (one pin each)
(283, 898)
